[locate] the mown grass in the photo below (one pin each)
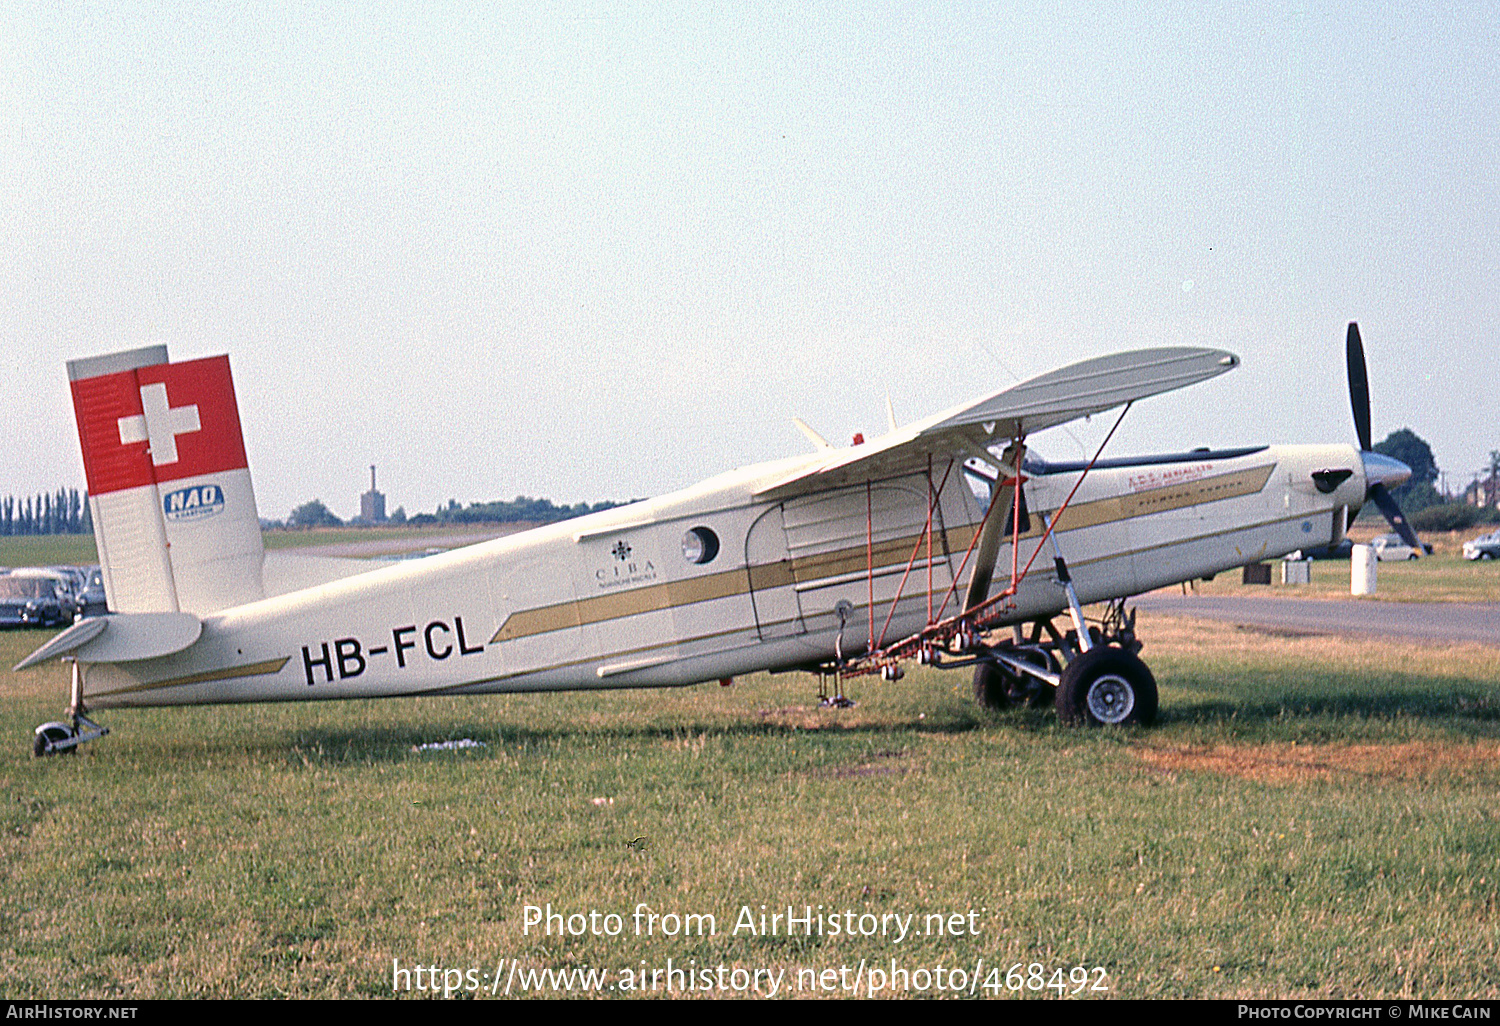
(1311, 818)
(48, 550)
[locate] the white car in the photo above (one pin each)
(1486, 546)
(1390, 547)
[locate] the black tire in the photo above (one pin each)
(991, 686)
(1107, 686)
(1038, 693)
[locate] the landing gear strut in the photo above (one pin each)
(997, 684)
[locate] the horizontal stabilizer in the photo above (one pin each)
(1066, 394)
(120, 638)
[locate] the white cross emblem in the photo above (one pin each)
(160, 425)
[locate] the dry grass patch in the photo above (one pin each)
(805, 717)
(1297, 763)
(884, 764)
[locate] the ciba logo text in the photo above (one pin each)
(194, 503)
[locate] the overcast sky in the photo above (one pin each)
(602, 250)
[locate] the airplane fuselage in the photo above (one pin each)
(712, 582)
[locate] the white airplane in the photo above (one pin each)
(915, 546)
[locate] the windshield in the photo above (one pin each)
(26, 588)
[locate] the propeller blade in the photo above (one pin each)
(1387, 503)
(1359, 385)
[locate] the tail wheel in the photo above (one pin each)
(46, 736)
(1107, 686)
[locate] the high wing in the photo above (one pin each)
(1078, 390)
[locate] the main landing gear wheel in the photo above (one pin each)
(991, 686)
(1107, 686)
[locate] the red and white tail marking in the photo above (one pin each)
(169, 485)
(158, 423)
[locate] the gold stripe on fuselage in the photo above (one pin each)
(228, 673)
(896, 552)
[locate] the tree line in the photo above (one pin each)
(521, 509)
(64, 512)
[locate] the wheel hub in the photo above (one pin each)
(1111, 699)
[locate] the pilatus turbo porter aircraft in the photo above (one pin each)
(943, 542)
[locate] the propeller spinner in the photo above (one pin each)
(1382, 473)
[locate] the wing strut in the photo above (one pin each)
(1016, 579)
(989, 545)
(885, 658)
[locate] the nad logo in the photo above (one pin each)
(194, 503)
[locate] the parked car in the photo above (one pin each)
(34, 598)
(1390, 547)
(71, 581)
(91, 600)
(1486, 546)
(1343, 550)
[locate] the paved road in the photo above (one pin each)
(1433, 621)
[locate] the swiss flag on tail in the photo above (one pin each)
(169, 486)
(158, 423)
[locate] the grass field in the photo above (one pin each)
(1311, 818)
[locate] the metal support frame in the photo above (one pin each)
(961, 634)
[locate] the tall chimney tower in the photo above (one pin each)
(372, 503)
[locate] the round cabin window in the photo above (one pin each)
(700, 545)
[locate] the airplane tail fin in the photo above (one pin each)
(169, 485)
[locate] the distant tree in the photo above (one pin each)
(1447, 516)
(398, 516)
(1417, 493)
(312, 514)
(521, 509)
(65, 511)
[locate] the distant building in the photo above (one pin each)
(372, 503)
(1483, 492)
